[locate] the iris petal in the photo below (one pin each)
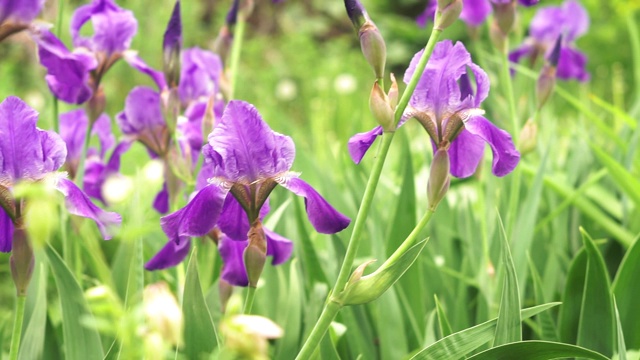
(360, 143)
(170, 255)
(6, 231)
(233, 269)
(505, 155)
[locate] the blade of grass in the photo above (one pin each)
(537, 350)
(626, 291)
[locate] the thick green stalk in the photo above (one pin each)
(411, 240)
(17, 327)
(248, 303)
(332, 308)
(236, 50)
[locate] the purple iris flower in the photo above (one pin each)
(74, 76)
(31, 154)
(570, 20)
(247, 160)
(474, 12)
(73, 127)
(16, 15)
(447, 105)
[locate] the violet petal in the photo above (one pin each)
(279, 247)
(360, 143)
(465, 154)
(233, 269)
(170, 255)
(505, 155)
(6, 231)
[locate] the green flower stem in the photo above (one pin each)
(332, 307)
(411, 240)
(17, 327)
(236, 50)
(248, 303)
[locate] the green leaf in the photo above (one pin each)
(572, 299)
(327, 350)
(458, 345)
(80, 342)
(443, 322)
(509, 326)
(621, 176)
(307, 252)
(200, 336)
(614, 110)
(622, 349)
(370, 287)
(32, 344)
(537, 350)
(392, 336)
(292, 318)
(545, 320)
(626, 290)
(596, 328)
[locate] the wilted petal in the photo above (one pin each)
(78, 203)
(132, 58)
(233, 270)
(279, 247)
(465, 154)
(243, 148)
(6, 231)
(198, 217)
(572, 65)
(361, 142)
(113, 27)
(67, 73)
(475, 12)
(324, 218)
(170, 255)
(505, 155)
(26, 152)
(199, 74)
(161, 201)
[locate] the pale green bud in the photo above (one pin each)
(504, 16)
(380, 108)
(373, 47)
(447, 13)
(528, 137)
(439, 178)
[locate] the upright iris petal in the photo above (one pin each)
(113, 27)
(30, 154)
(447, 105)
(569, 21)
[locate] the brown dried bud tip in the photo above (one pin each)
(447, 13)
(255, 255)
(380, 108)
(438, 178)
(373, 47)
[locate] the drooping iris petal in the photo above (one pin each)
(505, 155)
(360, 143)
(199, 74)
(233, 270)
(6, 231)
(78, 203)
(324, 218)
(572, 65)
(170, 255)
(465, 154)
(67, 73)
(198, 217)
(20, 11)
(142, 117)
(234, 221)
(132, 58)
(113, 27)
(161, 201)
(73, 126)
(26, 152)
(279, 247)
(243, 148)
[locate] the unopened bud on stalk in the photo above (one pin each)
(498, 38)
(255, 255)
(393, 92)
(447, 13)
(504, 15)
(171, 46)
(438, 178)
(21, 260)
(371, 41)
(380, 108)
(528, 137)
(547, 79)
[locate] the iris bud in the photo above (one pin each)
(528, 137)
(380, 108)
(447, 13)
(504, 16)
(393, 92)
(438, 178)
(171, 48)
(547, 79)
(498, 38)
(22, 261)
(373, 47)
(255, 255)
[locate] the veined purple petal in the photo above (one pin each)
(505, 155)
(234, 221)
(67, 73)
(206, 173)
(572, 65)
(78, 203)
(170, 255)
(243, 148)
(475, 12)
(20, 11)
(132, 58)
(142, 111)
(26, 152)
(360, 143)
(199, 74)
(198, 217)
(6, 231)
(465, 154)
(324, 218)
(113, 27)
(233, 270)
(279, 247)
(161, 201)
